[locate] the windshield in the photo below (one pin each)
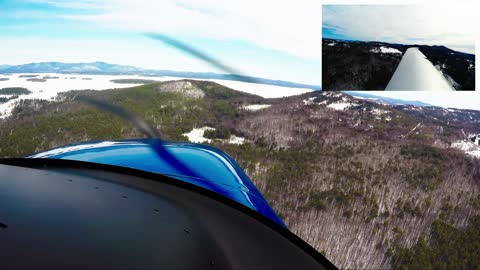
(377, 179)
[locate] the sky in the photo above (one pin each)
(276, 40)
(453, 25)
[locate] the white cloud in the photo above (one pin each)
(287, 26)
(454, 26)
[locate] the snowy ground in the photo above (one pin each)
(309, 101)
(196, 136)
(341, 105)
(383, 49)
(66, 82)
(236, 140)
(468, 147)
(256, 107)
(379, 112)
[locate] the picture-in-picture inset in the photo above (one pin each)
(408, 47)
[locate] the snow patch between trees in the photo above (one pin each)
(236, 140)
(256, 107)
(197, 136)
(309, 101)
(468, 147)
(379, 111)
(342, 104)
(383, 49)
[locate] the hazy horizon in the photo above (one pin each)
(358, 40)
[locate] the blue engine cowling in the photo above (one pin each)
(198, 164)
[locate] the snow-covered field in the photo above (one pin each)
(66, 82)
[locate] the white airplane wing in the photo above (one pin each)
(416, 73)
